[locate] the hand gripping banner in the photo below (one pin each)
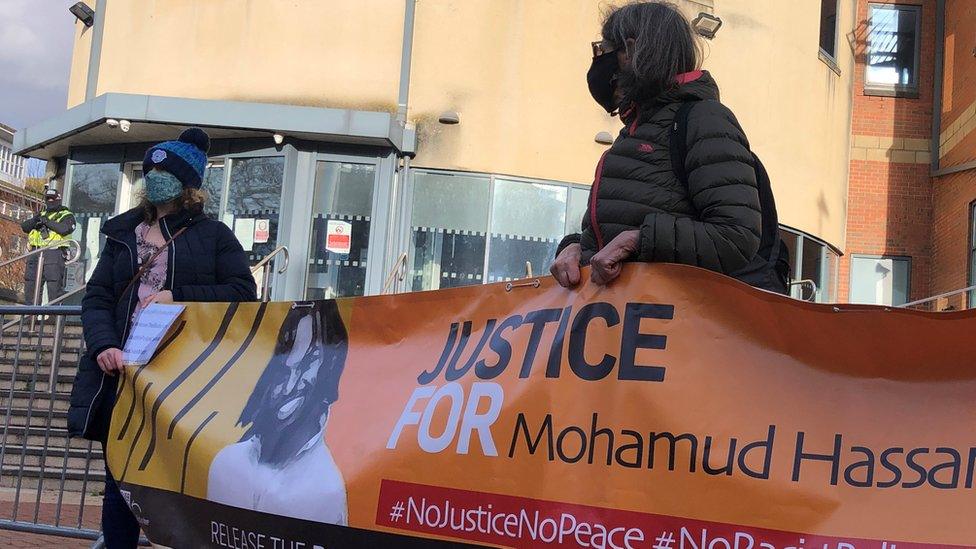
(675, 409)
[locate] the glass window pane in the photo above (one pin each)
(448, 230)
(811, 266)
(577, 209)
(892, 44)
(527, 222)
(879, 281)
(213, 184)
(343, 202)
(255, 196)
(92, 193)
(828, 26)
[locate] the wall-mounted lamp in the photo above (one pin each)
(604, 138)
(83, 13)
(449, 118)
(706, 25)
(278, 138)
(124, 125)
(112, 123)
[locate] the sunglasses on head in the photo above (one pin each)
(602, 47)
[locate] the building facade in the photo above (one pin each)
(910, 231)
(398, 145)
(13, 168)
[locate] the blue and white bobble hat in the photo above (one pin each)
(185, 158)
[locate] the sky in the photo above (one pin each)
(36, 38)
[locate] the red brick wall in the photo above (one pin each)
(953, 194)
(959, 82)
(890, 203)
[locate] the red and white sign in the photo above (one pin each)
(262, 230)
(338, 237)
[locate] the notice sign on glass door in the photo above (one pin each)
(262, 230)
(338, 237)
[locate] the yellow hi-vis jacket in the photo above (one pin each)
(50, 234)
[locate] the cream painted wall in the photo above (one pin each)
(514, 70)
(795, 110)
(319, 53)
(79, 65)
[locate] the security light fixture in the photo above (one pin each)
(604, 138)
(278, 138)
(83, 13)
(706, 25)
(449, 117)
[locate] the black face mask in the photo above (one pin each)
(53, 203)
(600, 79)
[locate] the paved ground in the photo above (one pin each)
(70, 510)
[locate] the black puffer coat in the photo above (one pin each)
(715, 222)
(206, 263)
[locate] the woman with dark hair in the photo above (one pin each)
(646, 67)
(165, 250)
(282, 464)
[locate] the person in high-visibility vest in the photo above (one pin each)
(50, 227)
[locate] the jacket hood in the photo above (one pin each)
(124, 224)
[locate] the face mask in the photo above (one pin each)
(600, 79)
(162, 187)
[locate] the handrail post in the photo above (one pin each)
(56, 353)
(38, 277)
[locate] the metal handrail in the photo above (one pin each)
(267, 259)
(395, 272)
(71, 258)
(806, 282)
(55, 301)
(937, 297)
(265, 266)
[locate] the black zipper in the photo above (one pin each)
(125, 331)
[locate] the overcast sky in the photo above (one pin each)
(35, 57)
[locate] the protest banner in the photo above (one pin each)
(674, 409)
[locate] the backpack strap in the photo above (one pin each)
(679, 141)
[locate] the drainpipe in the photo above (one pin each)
(399, 182)
(95, 52)
(937, 92)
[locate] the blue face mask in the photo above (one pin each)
(162, 187)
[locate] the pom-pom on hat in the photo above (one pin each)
(185, 158)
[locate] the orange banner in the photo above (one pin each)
(674, 409)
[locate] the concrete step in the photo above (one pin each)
(75, 480)
(54, 437)
(54, 458)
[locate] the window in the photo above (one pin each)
(814, 267)
(254, 197)
(527, 222)
(893, 45)
(342, 206)
(880, 280)
(449, 227)
(828, 28)
(473, 228)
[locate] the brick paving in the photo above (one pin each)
(48, 508)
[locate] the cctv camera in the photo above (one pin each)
(112, 123)
(124, 125)
(279, 139)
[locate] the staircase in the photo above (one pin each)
(35, 451)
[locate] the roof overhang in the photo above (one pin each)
(155, 118)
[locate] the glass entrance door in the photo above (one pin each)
(342, 214)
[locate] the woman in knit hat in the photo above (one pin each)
(164, 250)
